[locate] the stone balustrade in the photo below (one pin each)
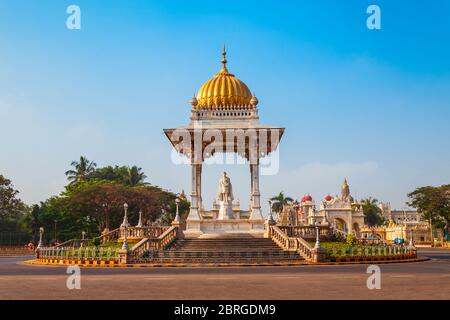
(138, 233)
(306, 232)
(154, 244)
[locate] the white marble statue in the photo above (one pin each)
(225, 193)
(225, 198)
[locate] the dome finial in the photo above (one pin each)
(224, 58)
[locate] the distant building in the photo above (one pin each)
(400, 216)
(341, 212)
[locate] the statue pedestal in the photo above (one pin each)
(225, 211)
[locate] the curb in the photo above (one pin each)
(115, 264)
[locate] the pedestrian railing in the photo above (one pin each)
(371, 251)
(82, 253)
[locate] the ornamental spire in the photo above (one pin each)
(224, 59)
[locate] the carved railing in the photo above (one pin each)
(134, 233)
(296, 244)
(110, 236)
(305, 249)
(143, 232)
(283, 240)
(306, 232)
(154, 244)
(73, 243)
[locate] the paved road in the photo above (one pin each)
(420, 280)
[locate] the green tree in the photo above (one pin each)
(134, 176)
(31, 223)
(130, 176)
(372, 212)
(93, 205)
(279, 201)
(11, 207)
(432, 202)
(84, 168)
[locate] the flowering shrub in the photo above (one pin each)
(351, 239)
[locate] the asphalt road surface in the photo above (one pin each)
(418, 280)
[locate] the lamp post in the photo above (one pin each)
(125, 217)
(125, 239)
(431, 231)
(296, 206)
(270, 217)
(55, 233)
(317, 245)
(83, 233)
(41, 233)
(140, 224)
(177, 215)
(106, 217)
(411, 242)
(325, 213)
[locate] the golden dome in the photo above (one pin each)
(224, 90)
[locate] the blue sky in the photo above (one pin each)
(369, 105)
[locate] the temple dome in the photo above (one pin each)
(224, 90)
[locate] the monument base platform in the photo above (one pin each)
(204, 227)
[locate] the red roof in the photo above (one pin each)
(328, 198)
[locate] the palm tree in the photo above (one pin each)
(372, 211)
(134, 177)
(83, 169)
(279, 201)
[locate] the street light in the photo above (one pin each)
(55, 232)
(83, 233)
(106, 217)
(125, 239)
(296, 206)
(41, 233)
(325, 213)
(177, 215)
(270, 217)
(411, 242)
(125, 217)
(140, 224)
(431, 231)
(317, 245)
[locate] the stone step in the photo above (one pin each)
(180, 253)
(215, 263)
(225, 250)
(231, 235)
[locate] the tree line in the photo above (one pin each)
(92, 201)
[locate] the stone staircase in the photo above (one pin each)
(233, 249)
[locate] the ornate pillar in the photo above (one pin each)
(255, 195)
(199, 186)
(251, 187)
(194, 212)
(350, 222)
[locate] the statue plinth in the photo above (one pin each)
(225, 211)
(226, 216)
